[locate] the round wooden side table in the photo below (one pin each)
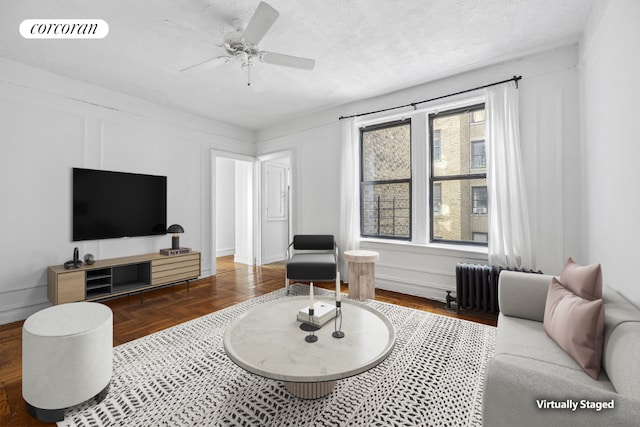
(362, 284)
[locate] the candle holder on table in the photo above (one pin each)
(337, 322)
(311, 337)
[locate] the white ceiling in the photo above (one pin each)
(362, 48)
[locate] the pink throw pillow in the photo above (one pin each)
(577, 325)
(583, 280)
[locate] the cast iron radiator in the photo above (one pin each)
(477, 287)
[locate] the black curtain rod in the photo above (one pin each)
(413, 104)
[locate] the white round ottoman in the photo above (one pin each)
(67, 357)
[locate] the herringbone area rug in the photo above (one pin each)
(182, 377)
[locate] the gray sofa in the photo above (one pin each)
(530, 370)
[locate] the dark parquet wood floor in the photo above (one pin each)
(136, 316)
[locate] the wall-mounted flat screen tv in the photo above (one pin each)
(110, 204)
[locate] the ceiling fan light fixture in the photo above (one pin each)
(246, 65)
(242, 45)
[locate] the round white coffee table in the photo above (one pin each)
(268, 341)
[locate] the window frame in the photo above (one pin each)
(374, 127)
(435, 179)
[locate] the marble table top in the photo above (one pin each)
(268, 341)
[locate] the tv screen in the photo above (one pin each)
(117, 204)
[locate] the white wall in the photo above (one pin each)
(610, 66)
(49, 124)
(314, 175)
(549, 118)
(225, 206)
(244, 208)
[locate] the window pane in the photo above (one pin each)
(478, 155)
(463, 210)
(476, 116)
(386, 210)
(461, 148)
(386, 153)
(436, 193)
(479, 200)
(481, 237)
(436, 145)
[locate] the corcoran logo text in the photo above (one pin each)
(64, 29)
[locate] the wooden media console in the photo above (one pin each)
(120, 276)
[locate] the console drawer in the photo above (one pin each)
(175, 268)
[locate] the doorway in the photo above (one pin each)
(233, 207)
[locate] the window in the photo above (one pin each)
(478, 155)
(437, 199)
(385, 180)
(459, 199)
(479, 200)
(436, 146)
(476, 116)
(480, 237)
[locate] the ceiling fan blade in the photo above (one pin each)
(260, 23)
(287, 60)
(208, 64)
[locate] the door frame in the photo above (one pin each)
(214, 155)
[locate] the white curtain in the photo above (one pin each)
(509, 230)
(349, 238)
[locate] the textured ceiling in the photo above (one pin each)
(362, 48)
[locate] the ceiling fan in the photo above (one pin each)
(242, 46)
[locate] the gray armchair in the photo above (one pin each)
(311, 258)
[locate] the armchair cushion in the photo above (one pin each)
(312, 267)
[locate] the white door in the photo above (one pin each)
(275, 209)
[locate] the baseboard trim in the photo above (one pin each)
(424, 290)
(225, 252)
(242, 260)
(272, 259)
(21, 313)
